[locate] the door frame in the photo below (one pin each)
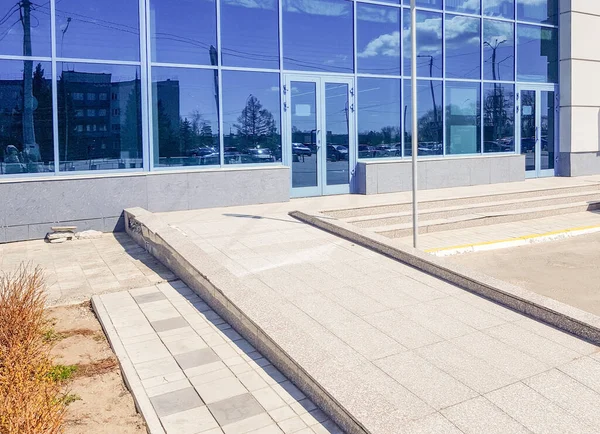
(320, 80)
(538, 172)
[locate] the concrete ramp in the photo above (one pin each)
(380, 346)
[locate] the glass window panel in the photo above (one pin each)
(429, 105)
(14, 40)
(537, 49)
(113, 141)
(98, 29)
(547, 130)
(466, 6)
(499, 8)
(186, 33)
(463, 126)
(378, 39)
(337, 125)
(249, 33)
(318, 35)
(251, 117)
(498, 117)
(433, 4)
(26, 142)
(463, 47)
(429, 44)
(185, 117)
(498, 50)
(538, 11)
(379, 115)
(304, 120)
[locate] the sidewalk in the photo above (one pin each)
(400, 350)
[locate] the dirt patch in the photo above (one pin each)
(101, 403)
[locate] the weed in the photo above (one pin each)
(70, 398)
(61, 373)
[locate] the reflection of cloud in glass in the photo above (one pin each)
(378, 14)
(384, 45)
(253, 4)
(462, 30)
(497, 32)
(429, 36)
(318, 7)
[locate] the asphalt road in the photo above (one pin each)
(567, 270)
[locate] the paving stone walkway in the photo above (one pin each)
(198, 373)
(401, 350)
(76, 270)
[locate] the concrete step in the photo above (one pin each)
(484, 219)
(459, 201)
(370, 221)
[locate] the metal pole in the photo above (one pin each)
(414, 119)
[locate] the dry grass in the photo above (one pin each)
(31, 400)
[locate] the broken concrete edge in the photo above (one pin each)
(562, 316)
(174, 250)
(130, 377)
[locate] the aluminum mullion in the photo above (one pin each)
(55, 135)
(146, 144)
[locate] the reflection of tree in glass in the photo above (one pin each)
(256, 126)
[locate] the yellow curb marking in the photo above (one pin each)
(523, 238)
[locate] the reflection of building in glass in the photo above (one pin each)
(99, 118)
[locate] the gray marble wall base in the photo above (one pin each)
(579, 163)
(31, 206)
(375, 177)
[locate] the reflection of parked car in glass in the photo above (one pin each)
(300, 149)
(388, 151)
(365, 151)
(231, 155)
(261, 155)
(201, 152)
(527, 145)
(337, 152)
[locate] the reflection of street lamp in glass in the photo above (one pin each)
(494, 47)
(435, 113)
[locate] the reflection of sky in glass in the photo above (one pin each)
(498, 37)
(432, 4)
(429, 44)
(538, 11)
(336, 106)
(466, 6)
(11, 29)
(237, 88)
(499, 8)
(249, 32)
(183, 34)
(463, 55)
(378, 104)
(378, 39)
(101, 29)
(317, 35)
(537, 54)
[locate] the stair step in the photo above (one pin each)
(458, 201)
(370, 221)
(484, 219)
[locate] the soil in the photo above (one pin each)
(104, 404)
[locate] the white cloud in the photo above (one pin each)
(383, 45)
(377, 14)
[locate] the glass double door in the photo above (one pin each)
(319, 139)
(537, 109)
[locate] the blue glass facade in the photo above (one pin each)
(140, 85)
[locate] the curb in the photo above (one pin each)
(514, 242)
(562, 316)
(132, 381)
